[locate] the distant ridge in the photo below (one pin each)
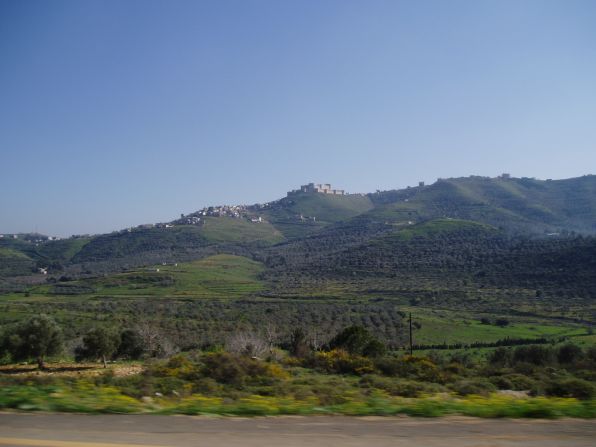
(514, 206)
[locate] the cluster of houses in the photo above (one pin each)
(33, 237)
(235, 211)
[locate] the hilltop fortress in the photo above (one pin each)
(321, 188)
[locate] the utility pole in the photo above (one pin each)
(411, 345)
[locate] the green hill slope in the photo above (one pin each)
(228, 229)
(146, 246)
(302, 214)
(515, 205)
(446, 261)
(219, 276)
(15, 263)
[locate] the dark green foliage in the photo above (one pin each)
(357, 340)
(400, 387)
(299, 346)
(99, 343)
(571, 387)
(502, 322)
(517, 382)
(533, 354)
(501, 356)
(569, 353)
(131, 345)
(478, 386)
(238, 370)
(37, 338)
(412, 367)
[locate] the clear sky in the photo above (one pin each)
(117, 113)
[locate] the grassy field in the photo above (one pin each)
(219, 276)
(230, 230)
(443, 326)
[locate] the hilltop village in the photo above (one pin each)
(249, 213)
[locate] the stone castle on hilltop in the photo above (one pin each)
(322, 188)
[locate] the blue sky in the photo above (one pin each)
(116, 113)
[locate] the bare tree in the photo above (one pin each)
(247, 343)
(155, 342)
(272, 335)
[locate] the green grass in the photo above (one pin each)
(219, 276)
(63, 250)
(229, 229)
(11, 253)
(442, 326)
(326, 209)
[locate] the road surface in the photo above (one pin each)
(75, 430)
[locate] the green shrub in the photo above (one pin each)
(400, 387)
(501, 382)
(342, 362)
(240, 370)
(413, 367)
(501, 357)
(478, 386)
(131, 345)
(569, 353)
(571, 387)
(179, 366)
(357, 340)
(533, 354)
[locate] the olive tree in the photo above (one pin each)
(98, 343)
(36, 338)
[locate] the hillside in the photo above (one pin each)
(445, 261)
(515, 205)
(310, 223)
(302, 213)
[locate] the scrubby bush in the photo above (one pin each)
(533, 354)
(516, 382)
(501, 357)
(179, 366)
(400, 387)
(478, 386)
(569, 353)
(571, 387)
(342, 362)
(357, 340)
(413, 367)
(240, 370)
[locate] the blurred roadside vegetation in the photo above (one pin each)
(353, 373)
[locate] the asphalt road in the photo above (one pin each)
(75, 430)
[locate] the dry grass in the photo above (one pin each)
(66, 369)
